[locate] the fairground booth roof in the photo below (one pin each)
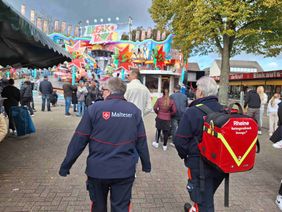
(22, 44)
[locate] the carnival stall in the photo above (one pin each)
(100, 53)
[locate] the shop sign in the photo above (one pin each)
(260, 75)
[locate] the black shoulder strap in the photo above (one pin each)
(205, 109)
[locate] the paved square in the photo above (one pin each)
(29, 179)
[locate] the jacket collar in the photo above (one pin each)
(204, 100)
(115, 96)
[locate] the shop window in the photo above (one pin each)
(152, 83)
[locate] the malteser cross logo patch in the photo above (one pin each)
(106, 115)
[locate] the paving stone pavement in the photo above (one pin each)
(29, 179)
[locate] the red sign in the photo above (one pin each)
(252, 76)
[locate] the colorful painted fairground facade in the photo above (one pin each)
(100, 53)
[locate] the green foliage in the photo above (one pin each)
(254, 26)
(224, 26)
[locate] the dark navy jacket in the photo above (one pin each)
(252, 99)
(114, 130)
(191, 128)
(45, 87)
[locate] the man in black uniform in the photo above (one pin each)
(186, 139)
(114, 130)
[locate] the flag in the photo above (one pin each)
(182, 76)
(45, 26)
(32, 16)
(63, 27)
(122, 74)
(23, 8)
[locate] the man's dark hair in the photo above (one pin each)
(11, 81)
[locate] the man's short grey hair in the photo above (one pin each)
(115, 85)
(208, 86)
(136, 72)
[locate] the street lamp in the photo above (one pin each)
(117, 18)
(109, 19)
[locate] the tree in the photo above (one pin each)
(228, 27)
(124, 36)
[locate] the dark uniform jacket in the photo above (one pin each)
(114, 130)
(190, 128)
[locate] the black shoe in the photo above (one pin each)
(67, 114)
(187, 207)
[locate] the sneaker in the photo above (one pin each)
(270, 134)
(189, 208)
(67, 115)
(32, 115)
(164, 148)
(172, 144)
(278, 201)
(259, 132)
(155, 144)
(278, 145)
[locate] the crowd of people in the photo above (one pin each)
(126, 144)
(119, 138)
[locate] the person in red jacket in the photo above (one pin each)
(164, 108)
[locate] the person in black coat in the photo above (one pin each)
(13, 98)
(46, 89)
(252, 100)
(92, 94)
(26, 95)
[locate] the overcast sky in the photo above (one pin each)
(74, 11)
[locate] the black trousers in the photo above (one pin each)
(11, 120)
(204, 199)
(27, 102)
(165, 133)
(120, 193)
(280, 189)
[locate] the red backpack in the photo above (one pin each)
(229, 139)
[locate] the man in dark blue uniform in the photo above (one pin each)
(201, 184)
(114, 130)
